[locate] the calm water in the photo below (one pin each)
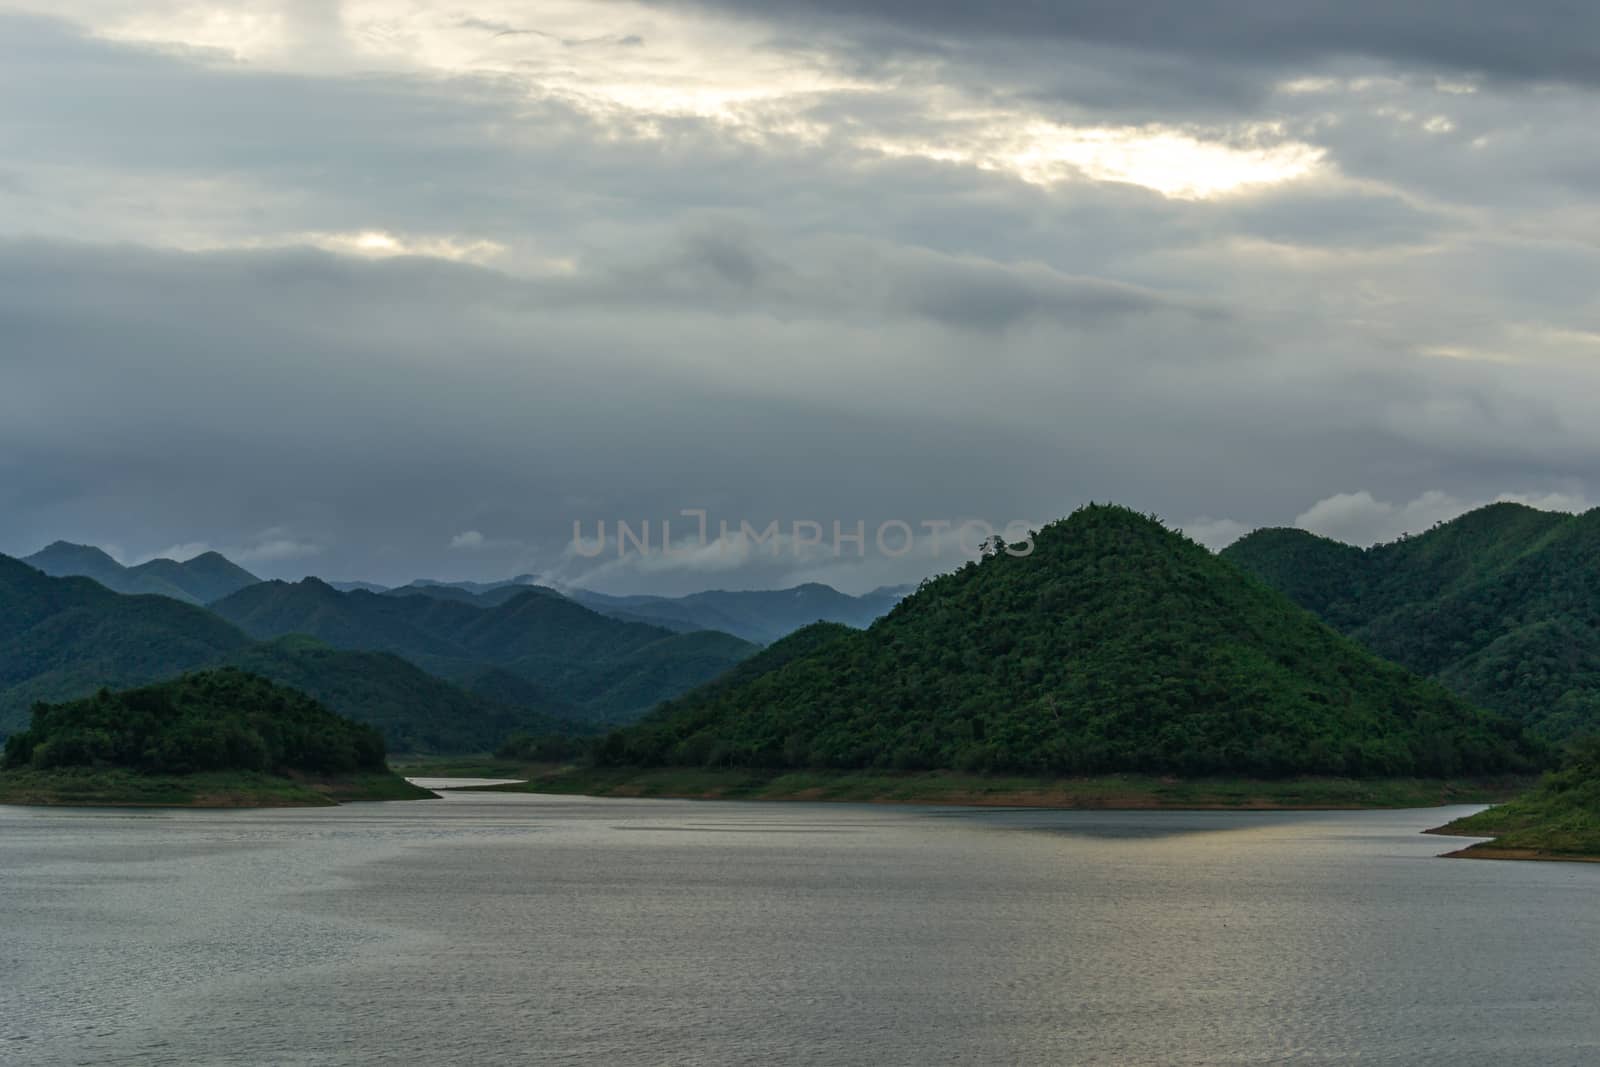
(486, 928)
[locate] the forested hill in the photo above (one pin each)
(64, 638)
(1116, 645)
(588, 665)
(209, 721)
(1502, 605)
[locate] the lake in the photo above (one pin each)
(504, 928)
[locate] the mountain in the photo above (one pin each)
(521, 581)
(1501, 605)
(63, 559)
(416, 711)
(65, 638)
(759, 616)
(61, 638)
(485, 597)
(221, 737)
(1117, 645)
(508, 639)
(207, 577)
(206, 721)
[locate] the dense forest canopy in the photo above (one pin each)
(223, 720)
(1502, 605)
(1116, 645)
(565, 659)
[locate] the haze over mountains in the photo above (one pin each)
(762, 616)
(439, 666)
(759, 616)
(64, 638)
(207, 577)
(432, 673)
(547, 650)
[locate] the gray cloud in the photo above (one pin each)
(670, 310)
(1549, 40)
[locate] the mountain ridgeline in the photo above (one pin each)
(761, 616)
(1501, 606)
(551, 651)
(207, 577)
(65, 638)
(1117, 645)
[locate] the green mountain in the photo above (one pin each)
(200, 580)
(1502, 605)
(65, 638)
(207, 577)
(208, 721)
(62, 638)
(370, 587)
(484, 598)
(1117, 645)
(760, 616)
(536, 643)
(214, 738)
(429, 585)
(415, 711)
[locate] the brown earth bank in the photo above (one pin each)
(1507, 833)
(86, 787)
(1492, 852)
(1128, 792)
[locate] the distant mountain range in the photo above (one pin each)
(200, 580)
(439, 666)
(1501, 605)
(554, 652)
(1117, 645)
(64, 638)
(433, 673)
(758, 616)
(762, 616)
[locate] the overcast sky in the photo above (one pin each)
(388, 288)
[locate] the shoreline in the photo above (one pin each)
(1105, 792)
(1503, 841)
(1489, 851)
(217, 790)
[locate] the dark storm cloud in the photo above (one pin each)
(1543, 40)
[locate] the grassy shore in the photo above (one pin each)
(223, 789)
(1111, 791)
(1535, 827)
(470, 766)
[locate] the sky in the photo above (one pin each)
(382, 289)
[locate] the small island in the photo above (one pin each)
(1560, 820)
(222, 738)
